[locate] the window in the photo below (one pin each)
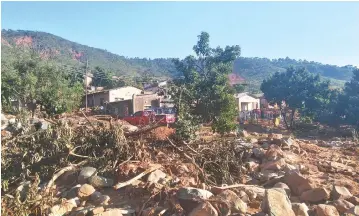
(101, 101)
(139, 113)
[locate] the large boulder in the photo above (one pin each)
(283, 186)
(296, 182)
(315, 195)
(236, 204)
(326, 210)
(276, 203)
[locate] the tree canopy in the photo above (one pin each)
(300, 91)
(204, 89)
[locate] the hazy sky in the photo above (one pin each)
(327, 32)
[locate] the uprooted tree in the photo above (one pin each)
(203, 92)
(301, 91)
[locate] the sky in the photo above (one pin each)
(327, 32)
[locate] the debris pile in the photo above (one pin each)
(99, 168)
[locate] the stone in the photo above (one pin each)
(315, 195)
(274, 153)
(204, 209)
(156, 176)
(85, 191)
(297, 183)
(283, 186)
(236, 204)
(275, 136)
(289, 168)
(186, 196)
(97, 210)
(300, 209)
(276, 203)
(243, 133)
(342, 205)
(252, 166)
(72, 193)
(84, 174)
(102, 200)
(100, 182)
(326, 210)
(243, 195)
(110, 212)
(65, 207)
(340, 192)
(273, 165)
(258, 152)
(287, 143)
(353, 211)
(354, 200)
(253, 140)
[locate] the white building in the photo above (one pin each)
(245, 102)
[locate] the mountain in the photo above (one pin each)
(254, 70)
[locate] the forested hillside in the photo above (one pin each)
(254, 70)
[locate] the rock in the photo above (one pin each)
(287, 143)
(72, 193)
(252, 166)
(353, 211)
(297, 183)
(267, 175)
(186, 196)
(283, 186)
(340, 192)
(102, 200)
(342, 205)
(258, 153)
(274, 153)
(63, 208)
(273, 165)
(84, 174)
(354, 200)
(276, 203)
(204, 209)
(289, 168)
(97, 210)
(275, 136)
(300, 209)
(111, 212)
(253, 140)
(156, 176)
(100, 182)
(85, 191)
(236, 204)
(326, 210)
(243, 196)
(243, 133)
(315, 195)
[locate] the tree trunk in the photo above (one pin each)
(292, 118)
(284, 114)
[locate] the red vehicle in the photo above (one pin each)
(149, 117)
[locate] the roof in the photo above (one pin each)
(107, 90)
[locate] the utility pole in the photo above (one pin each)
(86, 81)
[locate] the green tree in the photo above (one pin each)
(27, 78)
(300, 90)
(348, 103)
(203, 90)
(240, 88)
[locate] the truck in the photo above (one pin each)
(147, 117)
